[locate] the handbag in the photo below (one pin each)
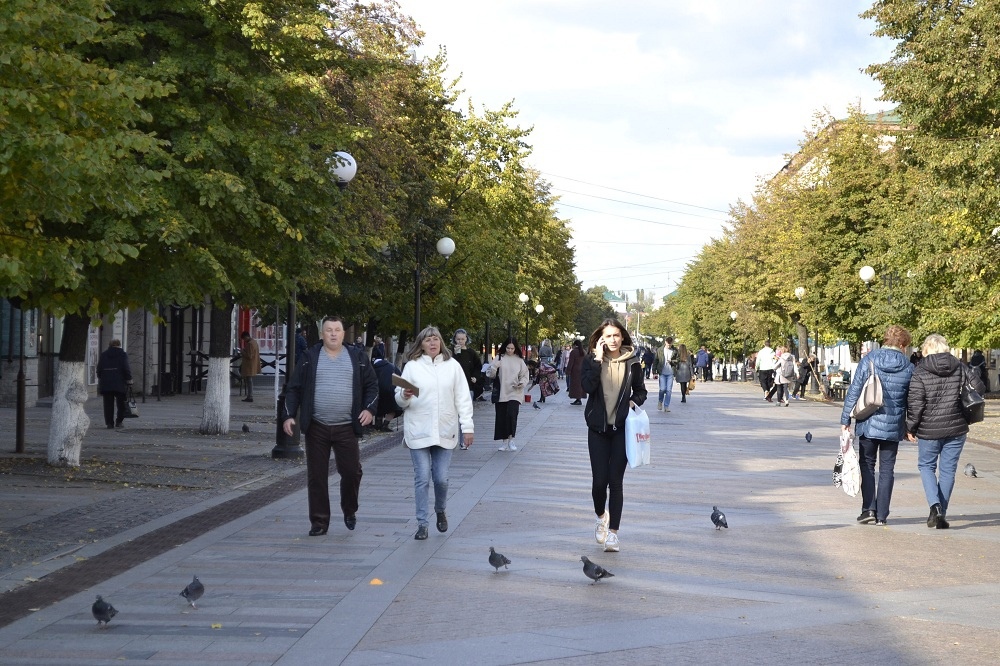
(691, 384)
(495, 392)
(847, 469)
(871, 397)
(131, 408)
(637, 437)
(973, 404)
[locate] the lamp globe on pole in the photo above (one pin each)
(343, 167)
(867, 273)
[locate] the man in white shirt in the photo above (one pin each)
(765, 368)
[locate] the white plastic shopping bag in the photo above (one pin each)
(847, 471)
(637, 437)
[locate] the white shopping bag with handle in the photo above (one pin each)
(637, 437)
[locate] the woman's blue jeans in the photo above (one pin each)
(884, 452)
(666, 387)
(942, 455)
(430, 463)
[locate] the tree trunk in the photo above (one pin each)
(69, 421)
(215, 413)
(803, 333)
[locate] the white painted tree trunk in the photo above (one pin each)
(69, 422)
(215, 415)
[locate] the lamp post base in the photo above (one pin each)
(286, 447)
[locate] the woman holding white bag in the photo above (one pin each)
(879, 434)
(613, 379)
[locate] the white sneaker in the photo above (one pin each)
(659, 406)
(666, 409)
(601, 532)
(502, 447)
(512, 446)
(611, 543)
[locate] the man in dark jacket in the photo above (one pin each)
(114, 376)
(337, 391)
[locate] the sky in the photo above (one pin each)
(652, 118)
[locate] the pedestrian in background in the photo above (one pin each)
(614, 382)
(934, 420)
(114, 376)
(574, 373)
(879, 434)
(663, 370)
(805, 371)
(469, 360)
(431, 421)
(301, 345)
(684, 371)
(337, 392)
(387, 409)
(249, 363)
(510, 376)
(765, 368)
(784, 372)
(702, 364)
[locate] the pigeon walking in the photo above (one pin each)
(193, 591)
(103, 611)
(246, 428)
(719, 518)
(809, 437)
(498, 560)
(970, 470)
(595, 572)
(535, 405)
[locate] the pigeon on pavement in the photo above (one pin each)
(809, 437)
(103, 611)
(595, 572)
(246, 428)
(719, 518)
(535, 405)
(498, 560)
(970, 470)
(193, 591)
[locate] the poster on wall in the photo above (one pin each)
(93, 354)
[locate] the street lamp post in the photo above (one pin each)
(524, 298)
(739, 372)
(445, 247)
(343, 168)
(539, 309)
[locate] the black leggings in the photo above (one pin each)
(607, 465)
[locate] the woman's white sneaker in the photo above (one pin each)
(611, 543)
(601, 531)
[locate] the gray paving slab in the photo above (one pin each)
(794, 580)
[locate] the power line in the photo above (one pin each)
(630, 203)
(639, 219)
(607, 242)
(636, 194)
(648, 263)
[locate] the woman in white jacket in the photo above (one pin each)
(510, 376)
(431, 420)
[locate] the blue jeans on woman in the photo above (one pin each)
(666, 387)
(884, 451)
(430, 463)
(942, 454)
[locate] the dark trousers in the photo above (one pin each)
(684, 391)
(877, 498)
(766, 378)
(320, 441)
(112, 398)
(607, 465)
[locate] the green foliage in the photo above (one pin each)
(591, 310)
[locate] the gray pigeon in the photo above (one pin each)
(246, 428)
(809, 437)
(103, 611)
(719, 518)
(193, 591)
(970, 470)
(595, 572)
(535, 405)
(498, 560)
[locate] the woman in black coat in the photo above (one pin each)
(934, 420)
(613, 379)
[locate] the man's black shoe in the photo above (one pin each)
(442, 523)
(317, 531)
(421, 533)
(351, 521)
(934, 517)
(866, 517)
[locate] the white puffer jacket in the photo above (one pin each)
(433, 417)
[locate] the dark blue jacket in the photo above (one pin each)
(301, 389)
(889, 421)
(113, 371)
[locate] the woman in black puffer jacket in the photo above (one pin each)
(935, 422)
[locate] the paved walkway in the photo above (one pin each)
(794, 580)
